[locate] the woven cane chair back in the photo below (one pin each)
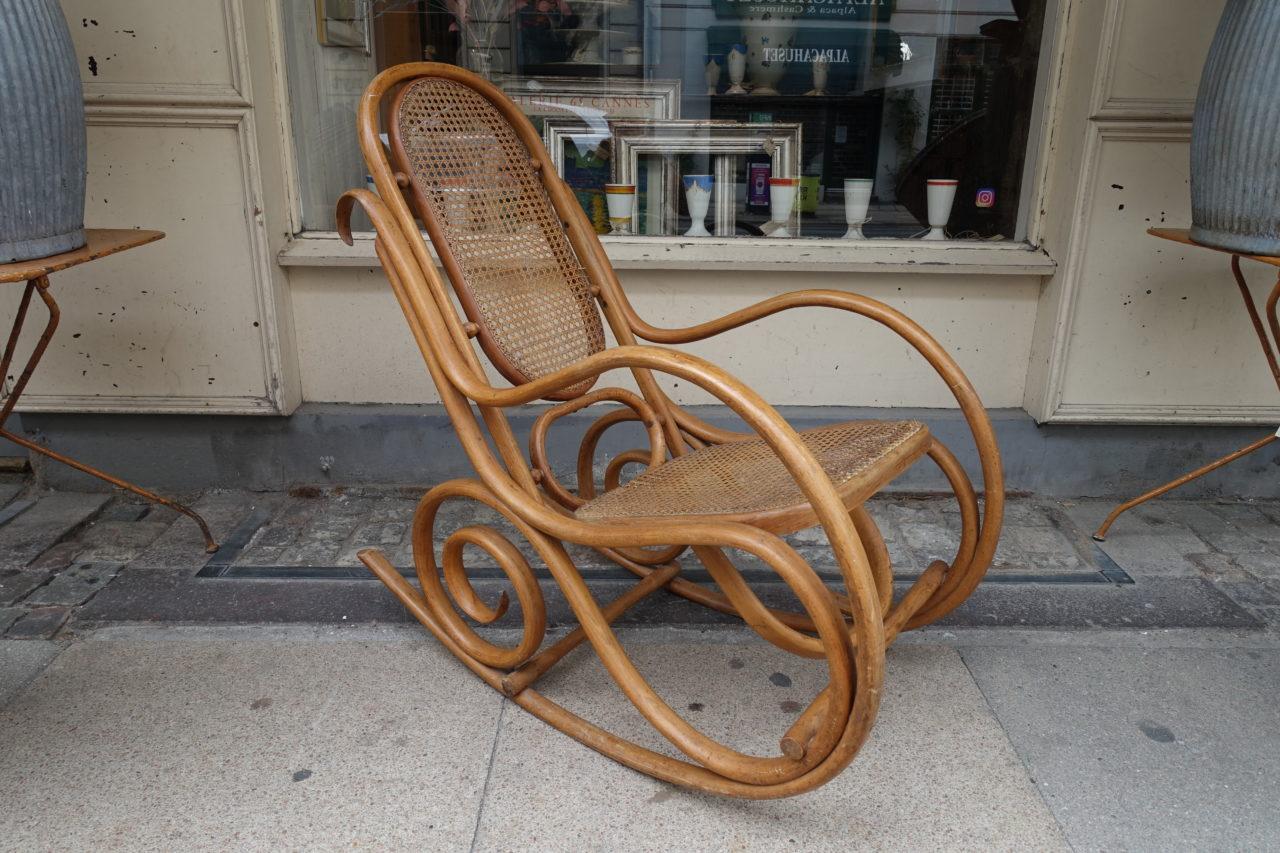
(496, 231)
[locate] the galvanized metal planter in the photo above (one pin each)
(42, 139)
(1235, 140)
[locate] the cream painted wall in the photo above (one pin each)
(354, 346)
(1133, 328)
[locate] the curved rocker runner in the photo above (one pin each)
(534, 282)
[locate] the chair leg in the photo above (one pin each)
(795, 743)
(531, 670)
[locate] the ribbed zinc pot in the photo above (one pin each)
(1235, 138)
(42, 141)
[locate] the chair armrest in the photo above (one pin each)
(966, 396)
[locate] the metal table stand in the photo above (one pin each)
(1180, 235)
(35, 272)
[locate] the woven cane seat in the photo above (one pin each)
(745, 481)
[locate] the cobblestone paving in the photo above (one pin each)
(62, 548)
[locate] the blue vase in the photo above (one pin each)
(1235, 138)
(42, 139)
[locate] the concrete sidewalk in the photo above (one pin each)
(310, 738)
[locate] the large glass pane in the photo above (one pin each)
(796, 118)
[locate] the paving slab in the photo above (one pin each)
(74, 586)
(53, 516)
(1145, 749)
(1153, 602)
(1253, 519)
(936, 773)
(1137, 546)
(58, 557)
(16, 584)
(182, 547)
(1262, 564)
(20, 662)
(38, 624)
(237, 743)
(118, 541)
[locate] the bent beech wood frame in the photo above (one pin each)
(849, 630)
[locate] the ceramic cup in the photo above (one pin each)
(621, 199)
(632, 55)
(857, 198)
(941, 194)
(782, 199)
(697, 194)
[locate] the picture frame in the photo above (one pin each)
(559, 133)
(724, 141)
(572, 104)
(582, 156)
(593, 100)
(343, 23)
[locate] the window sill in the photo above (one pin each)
(325, 249)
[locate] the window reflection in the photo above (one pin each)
(885, 94)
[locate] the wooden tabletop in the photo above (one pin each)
(102, 242)
(1183, 236)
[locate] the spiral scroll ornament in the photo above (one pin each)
(455, 592)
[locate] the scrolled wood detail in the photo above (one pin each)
(456, 589)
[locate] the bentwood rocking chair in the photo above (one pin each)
(533, 280)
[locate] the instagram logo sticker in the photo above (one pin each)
(986, 198)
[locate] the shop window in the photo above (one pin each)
(784, 118)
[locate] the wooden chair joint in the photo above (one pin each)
(523, 677)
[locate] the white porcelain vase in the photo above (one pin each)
(857, 200)
(782, 200)
(711, 75)
(941, 195)
(764, 68)
(821, 70)
(737, 62)
(697, 195)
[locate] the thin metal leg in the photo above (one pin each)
(1268, 351)
(1101, 535)
(12, 345)
(1256, 320)
(41, 286)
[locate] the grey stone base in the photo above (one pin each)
(413, 445)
